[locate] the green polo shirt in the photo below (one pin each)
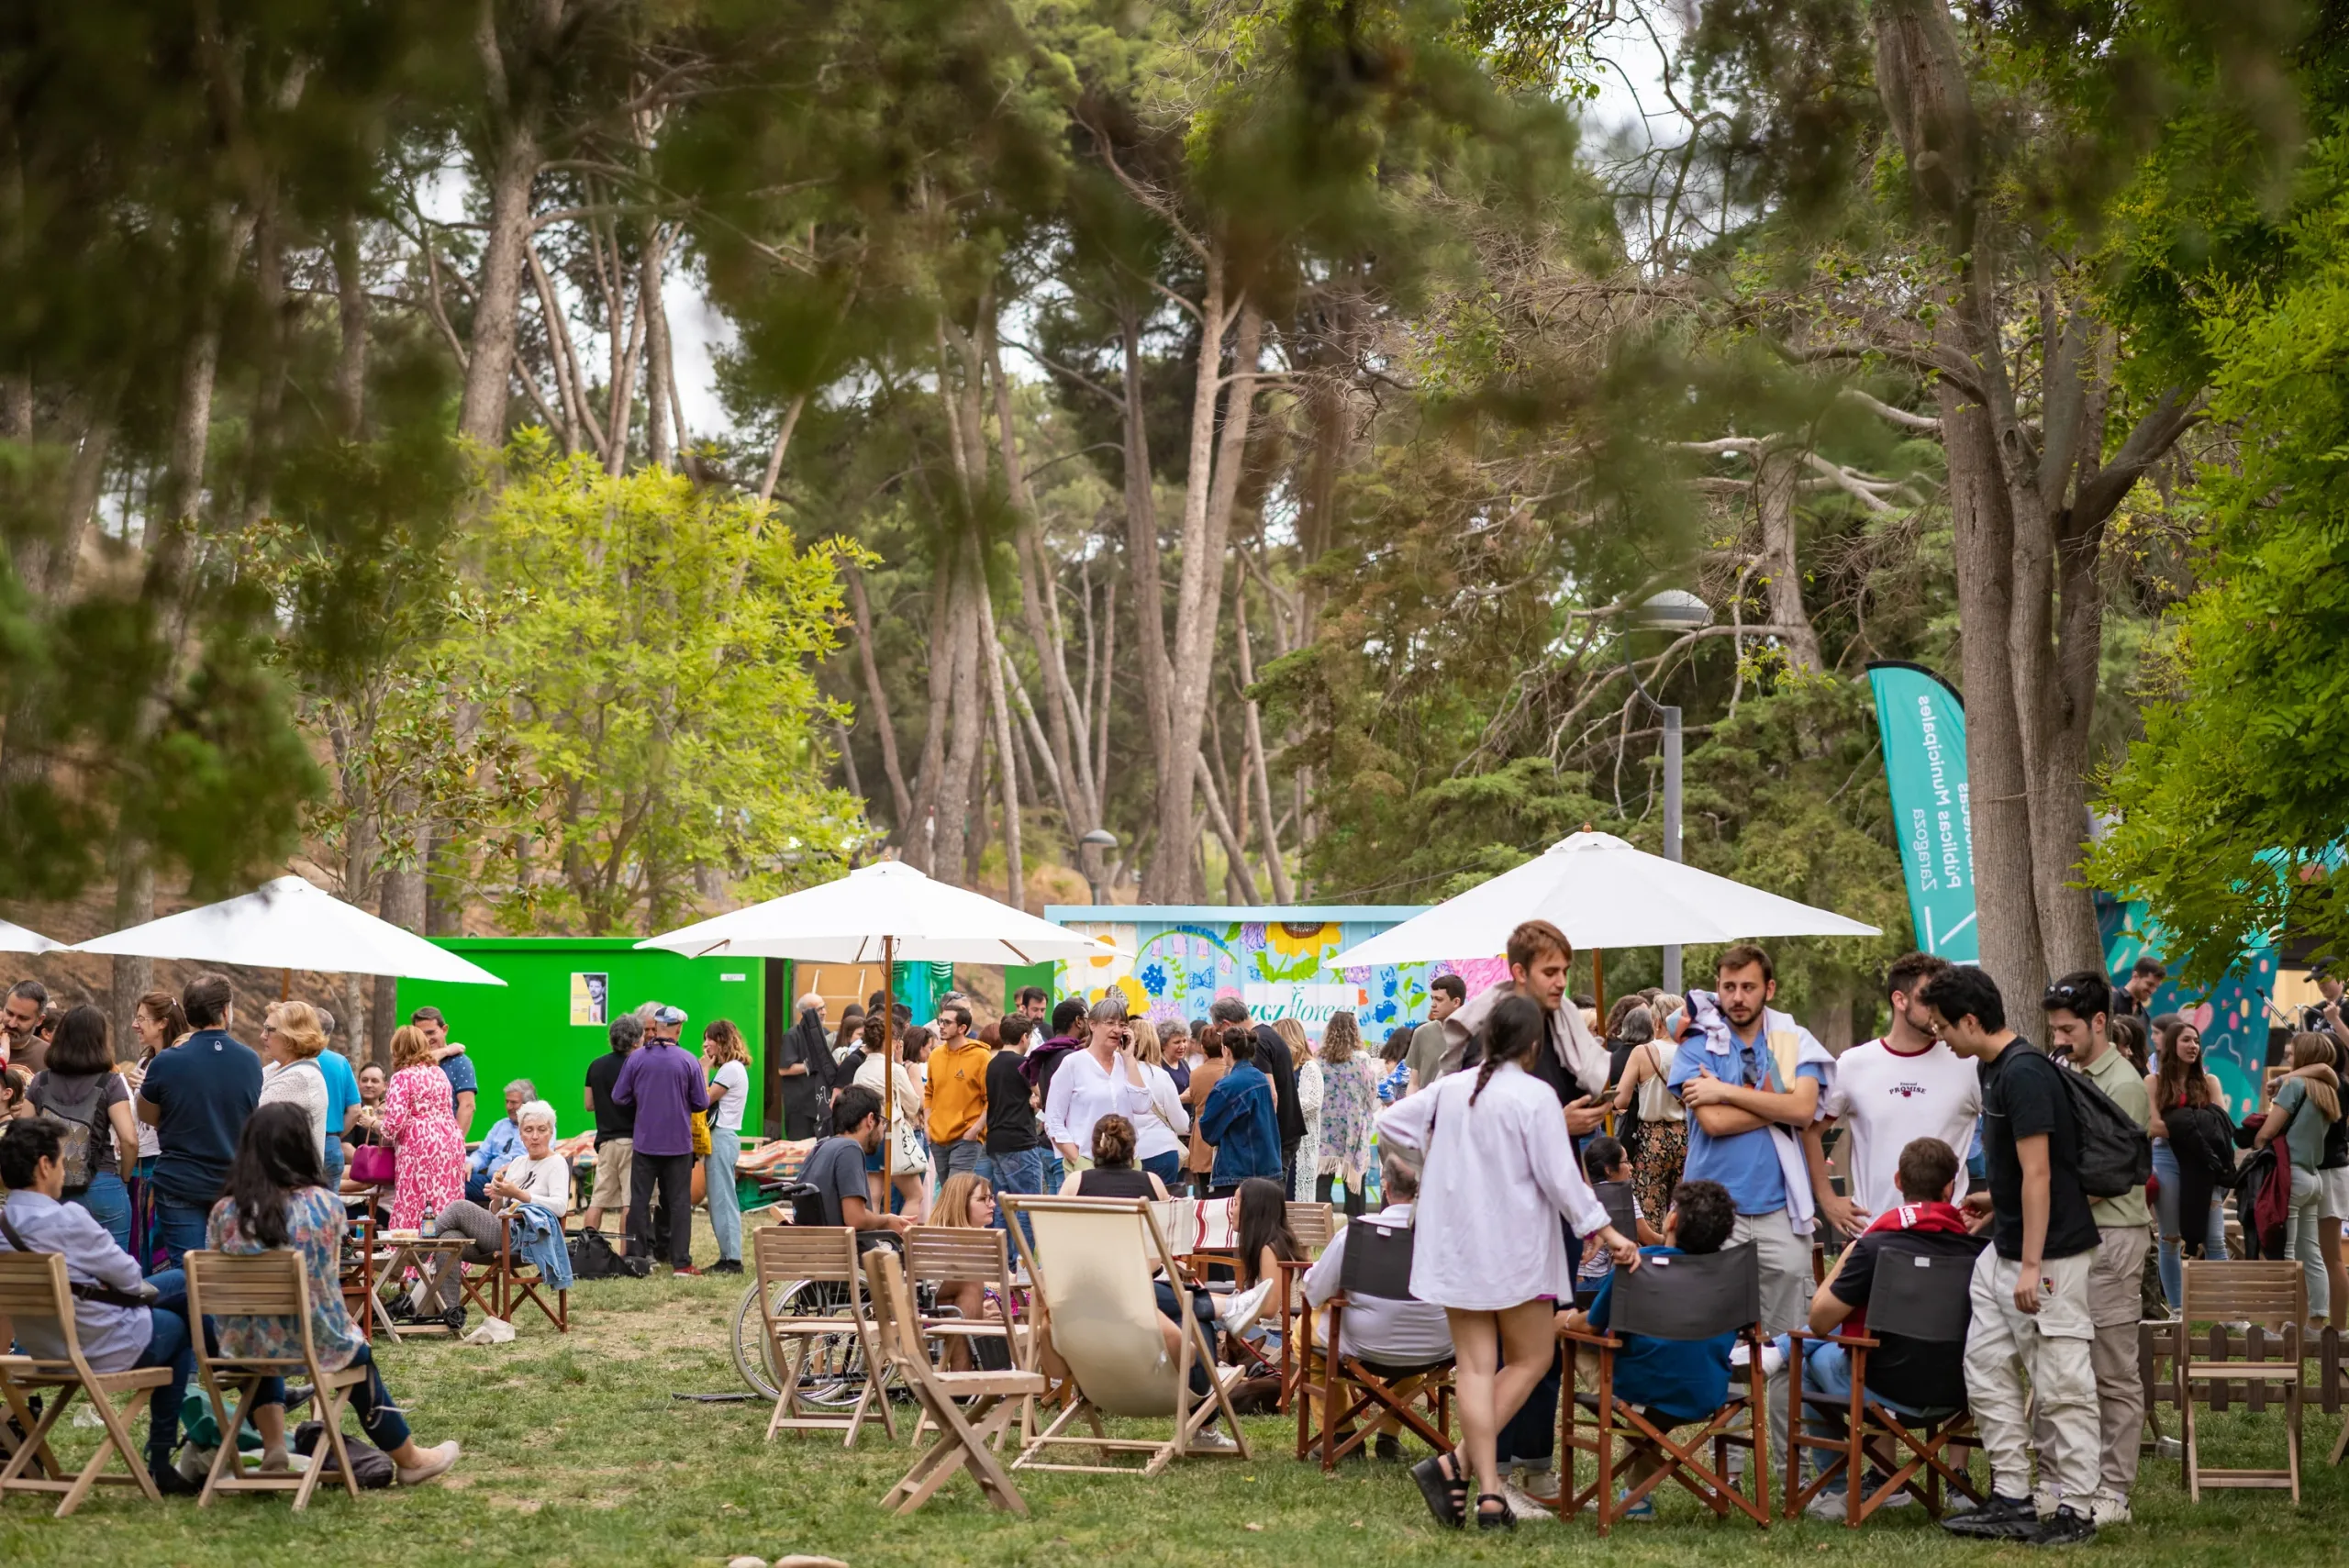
(2113, 1074)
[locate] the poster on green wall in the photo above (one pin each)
(591, 997)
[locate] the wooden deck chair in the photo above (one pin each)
(264, 1284)
(34, 1285)
(1090, 1265)
(841, 1332)
(1312, 1224)
(1377, 1265)
(1918, 1296)
(515, 1280)
(2272, 1298)
(1685, 1297)
(967, 1435)
(938, 1254)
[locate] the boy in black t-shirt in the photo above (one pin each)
(2031, 1284)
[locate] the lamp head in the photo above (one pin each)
(1675, 610)
(1100, 838)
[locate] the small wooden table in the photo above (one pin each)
(435, 1259)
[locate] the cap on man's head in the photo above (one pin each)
(667, 1015)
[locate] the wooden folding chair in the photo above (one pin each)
(1917, 1296)
(34, 1287)
(1377, 1265)
(513, 1280)
(842, 1333)
(2272, 1298)
(262, 1285)
(967, 1435)
(1683, 1297)
(1097, 1301)
(1312, 1224)
(938, 1254)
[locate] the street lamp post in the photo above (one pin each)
(1673, 610)
(1093, 843)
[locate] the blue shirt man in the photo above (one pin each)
(198, 1097)
(342, 1093)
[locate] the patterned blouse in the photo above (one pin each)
(1348, 1107)
(315, 1222)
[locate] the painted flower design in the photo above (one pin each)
(1153, 979)
(1301, 940)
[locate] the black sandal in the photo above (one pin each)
(1505, 1520)
(1447, 1493)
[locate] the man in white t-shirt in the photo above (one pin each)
(1905, 1085)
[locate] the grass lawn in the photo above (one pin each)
(575, 1453)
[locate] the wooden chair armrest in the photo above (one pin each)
(1848, 1341)
(1584, 1337)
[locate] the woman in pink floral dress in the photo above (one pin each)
(420, 1118)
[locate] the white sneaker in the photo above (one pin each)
(1830, 1508)
(1541, 1486)
(2105, 1510)
(1236, 1311)
(2045, 1500)
(1211, 1442)
(437, 1462)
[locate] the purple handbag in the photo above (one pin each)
(376, 1164)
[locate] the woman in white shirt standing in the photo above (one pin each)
(724, 1056)
(1158, 1137)
(1498, 1174)
(1097, 1080)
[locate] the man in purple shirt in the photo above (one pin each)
(663, 1084)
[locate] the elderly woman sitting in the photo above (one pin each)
(531, 1193)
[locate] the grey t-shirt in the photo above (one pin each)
(835, 1169)
(1425, 1055)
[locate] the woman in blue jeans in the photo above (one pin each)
(275, 1201)
(80, 1087)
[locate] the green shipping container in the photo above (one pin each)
(551, 1018)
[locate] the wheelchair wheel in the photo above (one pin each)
(833, 1374)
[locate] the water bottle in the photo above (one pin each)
(432, 1227)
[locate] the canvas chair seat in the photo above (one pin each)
(1090, 1265)
(1919, 1296)
(36, 1285)
(1683, 1298)
(1375, 1266)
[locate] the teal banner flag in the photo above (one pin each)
(1923, 725)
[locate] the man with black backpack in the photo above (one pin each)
(2032, 1319)
(2078, 1008)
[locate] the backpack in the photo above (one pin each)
(77, 1138)
(2116, 1156)
(592, 1258)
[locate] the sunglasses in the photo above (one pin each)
(2067, 998)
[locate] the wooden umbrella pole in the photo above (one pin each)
(1598, 982)
(888, 1071)
(284, 983)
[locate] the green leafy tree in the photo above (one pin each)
(2230, 810)
(655, 658)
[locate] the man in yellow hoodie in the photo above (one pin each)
(955, 1095)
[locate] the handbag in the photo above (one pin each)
(701, 1132)
(374, 1164)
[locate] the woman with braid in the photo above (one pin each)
(1498, 1173)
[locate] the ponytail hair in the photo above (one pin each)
(1510, 1035)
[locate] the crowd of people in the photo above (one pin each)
(1538, 1154)
(201, 1142)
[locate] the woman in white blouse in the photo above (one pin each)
(1498, 1173)
(1158, 1141)
(537, 1176)
(1102, 1078)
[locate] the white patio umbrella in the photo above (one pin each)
(1603, 894)
(288, 924)
(885, 912)
(22, 939)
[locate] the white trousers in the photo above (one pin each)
(2050, 1350)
